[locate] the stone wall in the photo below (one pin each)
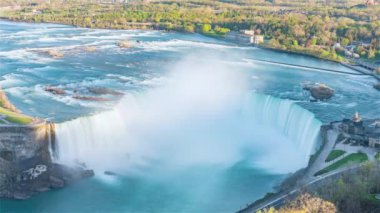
(25, 161)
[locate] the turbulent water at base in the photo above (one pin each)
(259, 122)
(192, 133)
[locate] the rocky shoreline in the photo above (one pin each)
(26, 163)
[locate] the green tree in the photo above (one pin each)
(189, 28)
(295, 43)
(345, 42)
(206, 28)
(371, 53)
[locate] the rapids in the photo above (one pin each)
(192, 133)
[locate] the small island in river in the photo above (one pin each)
(190, 106)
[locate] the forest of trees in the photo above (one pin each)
(304, 203)
(307, 26)
(351, 192)
(354, 191)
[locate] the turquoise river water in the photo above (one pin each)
(200, 127)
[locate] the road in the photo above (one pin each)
(3, 120)
(280, 199)
(308, 67)
(309, 178)
(319, 163)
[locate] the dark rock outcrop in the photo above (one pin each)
(90, 98)
(26, 166)
(52, 53)
(377, 86)
(104, 91)
(56, 182)
(319, 91)
(55, 90)
(124, 44)
(110, 173)
(90, 49)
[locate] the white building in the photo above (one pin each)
(245, 37)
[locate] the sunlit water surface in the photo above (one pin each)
(211, 142)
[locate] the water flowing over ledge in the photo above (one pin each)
(297, 123)
(274, 134)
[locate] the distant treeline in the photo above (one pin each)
(307, 26)
(354, 191)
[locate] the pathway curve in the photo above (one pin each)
(320, 163)
(3, 120)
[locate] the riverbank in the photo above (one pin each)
(216, 36)
(156, 26)
(26, 148)
(325, 166)
(9, 114)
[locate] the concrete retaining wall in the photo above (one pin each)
(24, 157)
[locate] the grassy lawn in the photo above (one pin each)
(14, 118)
(349, 159)
(334, 154)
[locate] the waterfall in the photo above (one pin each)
(281, 134)
(293, 121)
(200, 115)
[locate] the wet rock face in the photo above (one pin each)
(24, 158)
(26, 167)
(319, 91)
(124, 44)
(377, 86)
(104, 91)
(55, 90)
(52, 53)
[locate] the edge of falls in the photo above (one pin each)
(118, 137)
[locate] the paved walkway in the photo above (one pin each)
(280, 199)
(2, 119)
(320, 163)
(308, 67)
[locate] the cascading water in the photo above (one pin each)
(295, 122)
(196, 118)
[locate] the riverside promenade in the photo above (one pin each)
(309, 67)
(281, 198)
(330, 141)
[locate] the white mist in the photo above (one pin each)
(203, 114)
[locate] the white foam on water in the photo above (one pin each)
(201, 114)
(26, 55)
(69, 100)
(12, 80)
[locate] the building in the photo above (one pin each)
(258, 39)
(239, 37)
(364, 132)
(248, 32)
(353, 126)
(245, 37)
(337, 46)
(374, 134)
(370, 2)
(374, 141)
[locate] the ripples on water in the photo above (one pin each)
(153, 185)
